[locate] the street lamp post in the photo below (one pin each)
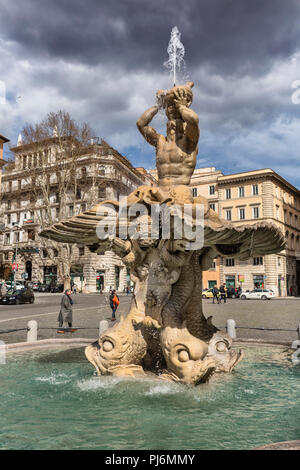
(15, 271)
(16, 253)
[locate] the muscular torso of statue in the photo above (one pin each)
(177, 152)
(175, 164)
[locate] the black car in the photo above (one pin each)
(18, 296)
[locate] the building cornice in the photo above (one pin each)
(3, 139)
(255, 175)
(42, 144)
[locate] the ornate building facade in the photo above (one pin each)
(3, 140)
(101, 173)
(247, 198)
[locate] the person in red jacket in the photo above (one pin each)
(114, 304)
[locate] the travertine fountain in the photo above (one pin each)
(165, 331)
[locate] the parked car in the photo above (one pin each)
(263, 294)
(10, 285)
(207, 294)
(18, 296)
(35, 286)
(233, 292)
(57, 288)
(44, 288)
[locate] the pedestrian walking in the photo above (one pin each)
(216, 294)
(114, 303)
(223, 292)
(66, 310)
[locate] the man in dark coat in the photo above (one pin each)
(215, 292)
(223, 293)
(66, 310)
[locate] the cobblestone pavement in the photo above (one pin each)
(87, 313)
(276, 313)
(90, 309)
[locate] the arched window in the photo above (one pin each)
(292, 241)
(287, 236)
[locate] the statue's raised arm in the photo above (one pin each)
(147, 131)
(182, 101)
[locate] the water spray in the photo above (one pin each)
(176, 53)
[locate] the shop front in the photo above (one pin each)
(50, 275)
(258, 281)
(100, 280)
(230, 280)
(76, 274)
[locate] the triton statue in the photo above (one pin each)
(176, 153)
(165, 331)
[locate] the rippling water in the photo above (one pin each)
(53, 401)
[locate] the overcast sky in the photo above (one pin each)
(103, 62)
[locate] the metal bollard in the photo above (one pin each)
(103, 325)
(231, 328)
(2, 352)
(32, 333)
(296, 357)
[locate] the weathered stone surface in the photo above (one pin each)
(287, 445)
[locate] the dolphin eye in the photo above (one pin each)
(107, 346)
(221, 346)
(183, 355)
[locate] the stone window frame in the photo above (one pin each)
(254, 215)
(255, 192)
(241, 191)
(258, 261)
(229, 262)
(244, 212)
(81, 251)
(228, 193)
(228, 214)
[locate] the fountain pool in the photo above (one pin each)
(51, 400)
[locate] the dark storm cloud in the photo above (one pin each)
(233, 36)
(103, 62)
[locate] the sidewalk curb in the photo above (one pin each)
(45, 343)
(264, 342)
